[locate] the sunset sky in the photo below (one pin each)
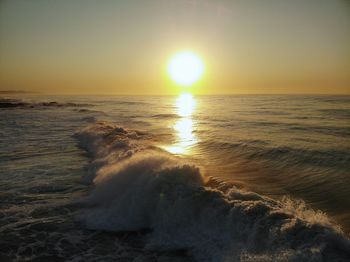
(124, 47)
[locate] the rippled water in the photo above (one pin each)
(273, 145)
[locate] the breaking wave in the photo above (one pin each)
(139, 187)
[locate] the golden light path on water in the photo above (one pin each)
(185, 106)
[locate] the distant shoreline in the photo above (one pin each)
(17, 92)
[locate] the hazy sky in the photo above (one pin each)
(123, 47)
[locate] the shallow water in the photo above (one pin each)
(272, 145)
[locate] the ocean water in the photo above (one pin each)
(186, 178)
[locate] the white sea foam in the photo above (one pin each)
(140, 187)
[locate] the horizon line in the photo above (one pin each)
(14, 92)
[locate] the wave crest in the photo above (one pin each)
(140, 187)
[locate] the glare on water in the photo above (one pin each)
(185, 105)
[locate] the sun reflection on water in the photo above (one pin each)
(185, 105)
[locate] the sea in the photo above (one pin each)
(174, 178)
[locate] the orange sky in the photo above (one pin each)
(123, 47)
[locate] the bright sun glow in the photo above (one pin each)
(186, 68)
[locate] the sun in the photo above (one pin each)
(185, 68)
